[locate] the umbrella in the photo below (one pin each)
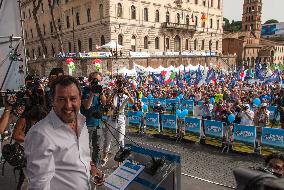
(112, 45)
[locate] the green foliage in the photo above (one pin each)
(271, 21)
(235, 26)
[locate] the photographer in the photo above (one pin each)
(119, 98)
(93, 99)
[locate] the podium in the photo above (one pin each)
(166, 177)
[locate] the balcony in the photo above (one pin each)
(170, 26)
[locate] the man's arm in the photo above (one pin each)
(4, 120)
(40, 161)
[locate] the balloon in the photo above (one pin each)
(172, 83)
(150, 96)
(185, 112)
(178, 112)
(181, 96)
(231, 118)
(178, 99)
(163, 73)
(257, 101)
(145, 107)
(212, 100)
(69, 60)
(173, 75)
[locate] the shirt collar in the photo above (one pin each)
(57, 122)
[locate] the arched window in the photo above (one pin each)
(186, 44)
(133, 12)
(103, 40)
(196, 21)
(146, 42)
(177, 43)
(101, 11)
(120, 39)
(52, 51)
(39, 51)
(157, 16)
(145, 14)
(119, 10)
(217, 45)
(89, 15)
(90, 44)
(210, 45)
(78, 18)
(79, 46)
(67, 22)
(202, 44)
(195, 44)
(168, 17)
(133, 43)
(167, 45)
(69, 47)
(187, 20)
(178, 18)
(157, 43)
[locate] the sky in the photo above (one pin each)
(272, 9)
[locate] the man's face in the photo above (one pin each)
(67, 102)
(277, 166)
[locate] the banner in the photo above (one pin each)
(172, 105)
(169, 123)
(187, 104)
(272, 140)
(244, 138)
(213, 132)
(272, 110)
(134, 118)
(95, 54)
(192, 128)
(152, 122)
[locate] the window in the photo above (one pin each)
(157, 43)
(26, 34)
(211, 23)
(196, 2)
(202, 44)
(59, 24)
(157, 16)
(167, 45)
(186, 44)
(196, 21)
(52, 50)
(90, 44)
(78, 18)
(39, 51)
(177, 43)
(27, 53)
(24, 15)
(167, 17)
(178, 18)
(30, 15)
(32, 35)
(51, 27)
(219, 4)
(120, 39)
(212, 3)
(69, 47)
(195, 44)
(146, 42)
(79, 45)
(101, 11)
(217, 45)
(204, 3)
(89, 15)
(210, 45)
(133, 43)
(67, 22)
(218, 24)
(103, 40)
(33, 52)
(187, 20)
(133, 12)
(43, 27)
(119, 10)
(145, 14)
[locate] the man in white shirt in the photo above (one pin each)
(247, 116)
(57, 147)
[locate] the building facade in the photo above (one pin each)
(148, 26)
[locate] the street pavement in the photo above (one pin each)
(197, 160)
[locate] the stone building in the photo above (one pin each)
(248, 45)
(149, 26)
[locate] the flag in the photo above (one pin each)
(259, 73)
(241, 74)
(275, 77)
(211, 75)
(198, 75)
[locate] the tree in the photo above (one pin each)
(271, 21)
(36, 6)
(227, 24)
(58, 36)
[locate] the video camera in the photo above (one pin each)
(120, 83)
(257, 179)
(95, 87)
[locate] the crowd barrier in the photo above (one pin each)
(240, 138)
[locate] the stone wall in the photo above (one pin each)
(84, 66)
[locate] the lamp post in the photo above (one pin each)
(115, 30)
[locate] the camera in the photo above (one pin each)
(95, 87)
(120, 84)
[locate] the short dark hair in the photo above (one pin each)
(56, 71)
(92, 75)
(64, 80)
(279, 156)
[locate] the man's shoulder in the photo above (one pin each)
(43, 126)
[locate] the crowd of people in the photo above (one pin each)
(58, 114)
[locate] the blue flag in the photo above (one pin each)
(198, 75)
(259, 73)
(211, 75)
(275, 77)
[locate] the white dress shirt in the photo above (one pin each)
(56, 158)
